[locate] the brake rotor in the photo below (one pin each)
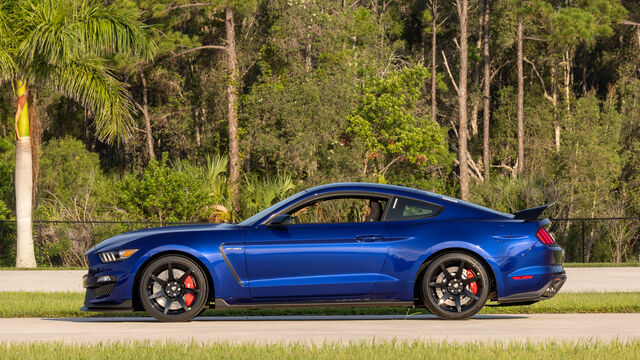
(464, 300)
(157, 287)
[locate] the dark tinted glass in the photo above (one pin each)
(402, 208)
(340, 210)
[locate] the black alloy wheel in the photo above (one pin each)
(173, 288)
(455, 286)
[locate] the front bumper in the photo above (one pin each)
(546, 292)
(98, 293)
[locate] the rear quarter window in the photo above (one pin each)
(405, 209)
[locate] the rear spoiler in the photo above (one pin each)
(532, 213)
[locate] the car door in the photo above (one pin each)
(315, 259)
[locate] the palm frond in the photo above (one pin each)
(7, 63)
(58, 31)
(108, 30)
(92, 84)
(216, 166)
(49, 33)
(260, 193)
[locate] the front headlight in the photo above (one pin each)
(111, 256)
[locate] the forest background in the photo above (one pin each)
(245, 102)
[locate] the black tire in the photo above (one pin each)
(163, 282)
(449, 293)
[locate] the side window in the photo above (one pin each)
(402, 209)
(340, 210)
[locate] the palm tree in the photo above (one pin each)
(65, 45)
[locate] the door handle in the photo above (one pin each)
(369, 238)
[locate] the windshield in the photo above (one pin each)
(255, 218)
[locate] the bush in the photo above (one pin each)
(165, 193)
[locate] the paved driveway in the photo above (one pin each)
(320, 329)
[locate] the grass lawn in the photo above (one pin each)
(608, 264)
(67, 304)
(363, 350)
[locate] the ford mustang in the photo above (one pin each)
(344, 244)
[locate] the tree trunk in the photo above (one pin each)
(25, 255)
(520, 109)
(462, 7)
(232, 96)
(554, 98)
(476, 96)
(486, 90)
(434, 49)
(567, 80)
(145, 113)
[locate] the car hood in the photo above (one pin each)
(122, 239)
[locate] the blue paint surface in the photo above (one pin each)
(252, 262)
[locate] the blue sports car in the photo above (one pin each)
(345, 244)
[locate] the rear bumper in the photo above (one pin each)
(97, 297)
(546, 292)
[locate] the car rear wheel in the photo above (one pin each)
(455, 286)
(173, 288)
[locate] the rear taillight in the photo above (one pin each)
(544, 236)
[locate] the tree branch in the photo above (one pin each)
(384, 170)
(629, 22)
(217, 47)
(512, 169)
(176, 7)
(472, 164)
(535, 70)
(534, 38)
(446, 64)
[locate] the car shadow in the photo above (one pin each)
(139, 319)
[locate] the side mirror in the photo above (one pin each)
(281, 221)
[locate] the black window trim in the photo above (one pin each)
(417, 217)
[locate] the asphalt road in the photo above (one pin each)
(578, 280)
(321, 329)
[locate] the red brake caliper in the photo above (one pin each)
(190, 284)
(473, 286)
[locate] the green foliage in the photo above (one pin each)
(68, 177)
(290, 125)
(163, 193)
(590, 160)
(391, 126)
(64, 45)
(586, 21)
(509, 194)
(7, 198)
(327, 93)
(7, 159)
(258, 194)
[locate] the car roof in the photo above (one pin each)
(401, 190)
(462, 209)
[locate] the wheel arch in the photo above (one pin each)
(135, 295)
(417, 286)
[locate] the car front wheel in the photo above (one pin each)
(173, 288)
(455, 286)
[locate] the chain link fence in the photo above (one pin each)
(602, 239)
(64, 243)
